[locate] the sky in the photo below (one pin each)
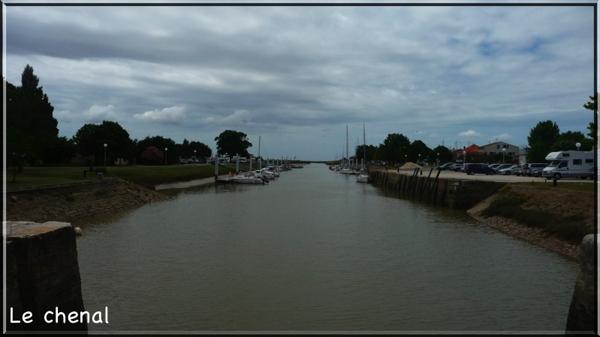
(296, 76)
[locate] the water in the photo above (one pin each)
(315, 250)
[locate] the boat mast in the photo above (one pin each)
(347, 156)
(364, 158)
(259, 158)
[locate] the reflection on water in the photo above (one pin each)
(316, 251)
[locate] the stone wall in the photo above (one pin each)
(583, 310)
(428, 187)
(42, 273)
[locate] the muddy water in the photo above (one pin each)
(316, 251)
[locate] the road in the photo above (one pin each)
(483, 177)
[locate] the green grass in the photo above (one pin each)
(149, 176)
(570, 228)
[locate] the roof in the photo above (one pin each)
(498, 142)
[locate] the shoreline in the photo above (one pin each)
(533, 236)
(80, 204)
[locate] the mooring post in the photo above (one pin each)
(216, 168)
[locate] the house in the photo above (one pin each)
(501, 148)
(458, 154)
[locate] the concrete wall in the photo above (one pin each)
(42, 273)
(582, 312)
(428, 187)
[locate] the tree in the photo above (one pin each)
(445, 155)
(152, 156)
(394, 147)
(61, 152)
(90, 140)
(31, 128)
(186, 149)
(231, 142)
(568, 140)
(541, 139)
(592, 105)
(202, 150)
(370, 152)
(160, 143)
(418, 151)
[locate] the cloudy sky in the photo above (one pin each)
(298, 75)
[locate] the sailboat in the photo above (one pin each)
(346, 169)
(363, 176)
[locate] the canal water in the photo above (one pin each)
(316, 251)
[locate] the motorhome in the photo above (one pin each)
(574, 164)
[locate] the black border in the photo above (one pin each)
(594, 5)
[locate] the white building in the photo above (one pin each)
(497, 148)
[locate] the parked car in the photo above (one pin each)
(509, 170)
(501, 167)
(445, 166)
(493, 166)
(517, 170)
(456, 167)
(533, 169)
(478, 168)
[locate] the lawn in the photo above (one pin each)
(148, 176)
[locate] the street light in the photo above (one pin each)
(438, 159)
(105, 146)
(503, 152)
(578, 145)
(166, 154)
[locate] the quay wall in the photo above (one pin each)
(42, 272)
(429, 188)
(582, 312)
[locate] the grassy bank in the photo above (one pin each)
(566, 213)
(148, 176)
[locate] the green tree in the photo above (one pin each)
(541, 139)
(90, 139)
(231, 142)
(202, 150)
(370, 152)
(159, 143)
(418, 151)
(592, 105)
(31, 128)
(441, 153)
(186, 149)
(568, 140)
(394, 147)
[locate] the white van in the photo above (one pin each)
(578, 164)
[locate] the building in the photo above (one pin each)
(500, 148)
(459, 154)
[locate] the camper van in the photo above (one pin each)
(575, 164)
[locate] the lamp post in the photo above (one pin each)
(166, 154)
(437, 158)
(503, 153)
(578, 145)
(105, 148)
(195, 155)
(419, 159)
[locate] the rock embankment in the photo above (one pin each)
(553, 218)
(79, 204)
